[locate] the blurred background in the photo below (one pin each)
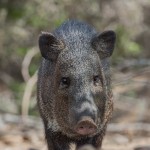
(20, 25)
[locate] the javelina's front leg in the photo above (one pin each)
(56, 141)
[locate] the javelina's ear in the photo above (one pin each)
(104, 43)
(50, 46)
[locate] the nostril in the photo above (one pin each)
(81, 127)
(86, 127)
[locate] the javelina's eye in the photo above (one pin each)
(97, 80)
(65, 82)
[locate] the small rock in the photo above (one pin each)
(11, 139)
(121, 139)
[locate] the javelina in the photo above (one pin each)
(74, 85)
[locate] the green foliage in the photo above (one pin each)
(37, 22)
(34, 19)
(133, 48)
(21, 51)
(130, 93)
(34, 64)
(15, 9)
(33, 110)
(125, 46)
(15, 13)
(57, 22)
(18, 89)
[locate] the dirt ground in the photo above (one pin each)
(129, 128)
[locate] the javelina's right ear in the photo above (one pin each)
(50, 46)
(104, 43)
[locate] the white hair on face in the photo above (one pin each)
(53, 125)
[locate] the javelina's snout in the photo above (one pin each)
(85, 126)
(84, 114)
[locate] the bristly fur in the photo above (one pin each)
(75, 51)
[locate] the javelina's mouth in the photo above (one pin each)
(86, 126)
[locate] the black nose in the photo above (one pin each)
(85, 126)
(91, 113)
(84, 106)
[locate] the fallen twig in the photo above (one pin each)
(26, 62)
(27, 94)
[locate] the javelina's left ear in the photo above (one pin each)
(50, 46)
(104, 43)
